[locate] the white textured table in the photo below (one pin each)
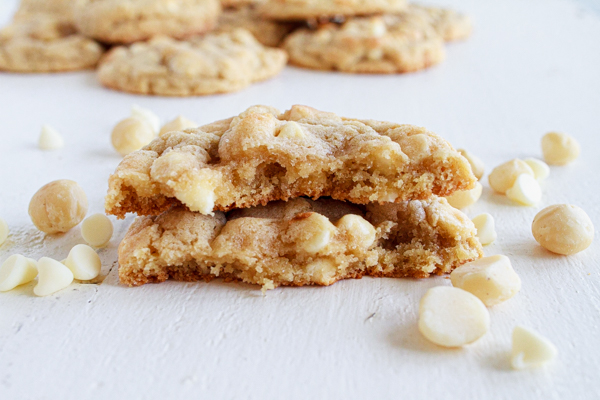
(530, 67)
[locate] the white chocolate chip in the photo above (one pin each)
(83, 262)
(503, 177)
(4, 231)
(178, 124)
(530, 349)
(358, 228)
(52, 277)
(97, 230)
(291, 130)
(541, 170)
(322, 271)
(50, 139)
(15, 271)
(58, 206)
(559, 148)
(492, 279)
(477, 166)
(148, 116)
(131, 134)
(563, 229)
(486, 228)
(464, 198)
(526, 190)
(452, 317)
(313, 232)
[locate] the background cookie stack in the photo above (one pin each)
(193, 47)
(229, 200)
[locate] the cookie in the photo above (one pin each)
(298, 243)
(268, 32)
(311, 9)
(45, 44)
(263, 155)
(215, 63)
(382, 44)
(449, 24)
(128, 21)
(59, 9)
(239, 3)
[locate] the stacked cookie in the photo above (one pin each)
(295, 198)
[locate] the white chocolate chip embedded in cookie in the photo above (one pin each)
(290, 130)
(358, 228)
(312, 231)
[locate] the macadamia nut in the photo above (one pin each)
(526, 190)
(58, 206)
(492, 279)
(563, 229)
(530, 349)
(50, 139)
(486, 228)
(83, 262)
(178, 124)
(559, 148)
(15, 271)
(452, 317)
(477, 165)
(464, 198)
(503, 177)
(52, 277)
(131, 134)
(97, 230)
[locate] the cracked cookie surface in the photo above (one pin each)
(264, 155)
(312, 9)
(218, 62)
(41, 43)
(299, 242)
(269, 33)
(128, 21)
(381, 44)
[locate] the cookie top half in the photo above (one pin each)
(314, 9)
(264, 155)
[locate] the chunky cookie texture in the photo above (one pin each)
(214, 63)
(263, 155)
(301, 242)
(449, 24)
(59, 9)
(268, 32)
(405, 42)
(310, 9)
(42, 43)
(128, 21)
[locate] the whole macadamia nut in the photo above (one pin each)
(563, 229)
(58, 206)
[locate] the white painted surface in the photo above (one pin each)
(530, 67)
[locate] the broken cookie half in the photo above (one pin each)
(299, 242)
(264, 155)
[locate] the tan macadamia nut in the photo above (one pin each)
(58, 206)
(97, 230)
(530, 349)
(492, 279)
(559, 148)
(452, 317)
(178, 124)
(477, 165)
(563, 229)
(464, 198)
(131, 134)
(503, 177)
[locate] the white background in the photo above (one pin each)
(530, 67)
